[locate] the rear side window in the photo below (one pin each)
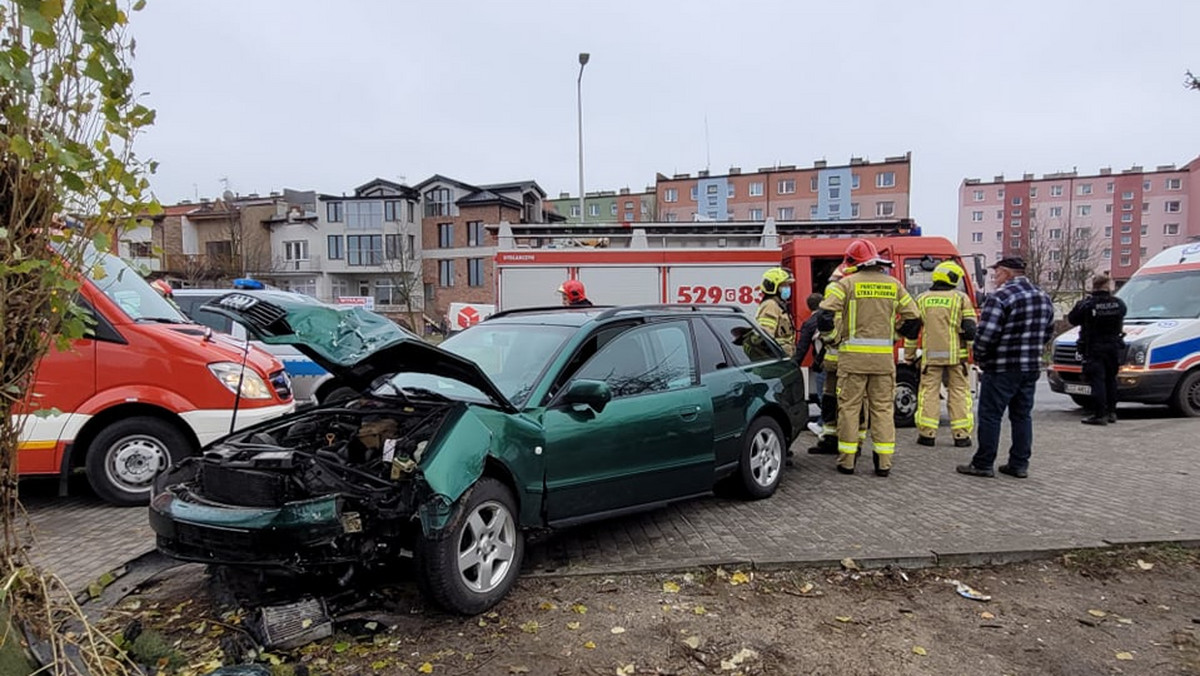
(651, 358)
(708, 349)
(744, 340)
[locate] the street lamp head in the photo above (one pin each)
(583, 58)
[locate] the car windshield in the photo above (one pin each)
(511, 355)
(1174, 295)
(127, 289)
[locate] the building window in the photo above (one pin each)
(835, 180)
(1056, 191)
(1126, 239)
(1145, 207)
(999, 236)
(835, 209)
(295, 251)
(593, 209)
(628, 205)
(999, 214)
(670, 195)
(976, 237)
(1171, 229)
(1106, 254)
(1126, 218)
(475, 272)
(1125, 261)
(729, 191)
(787, 213)
(612, 209)
(976, 216)
(1171, 207)
(445, 235)
(429, 293)
(978, 195)
(854, 210)
(1083, 210)
(1014, 224)
(574, 211)
(1055, 212)
(1015, 244)
(1055, 233)
(1033, 213)
(439, 202)
(814, 183)
(1107, 232)
(712, 214)
(388, 292)
(854, 180)
(1108, 187)
(756, 214)
(393, 211)
(1127, 206)
(1084, 189)
(1016, 201)
(645, 208)
(1108, 208)
(1126, 195)
(1056, 255)
(475, 233)
(1174, 184)
(1142, 251)
(712, 202)
(412, 208)
(446, 272)
(628, 215)
(885, 179)
(1127, 228)
(364, 250)
(695, 193)
(1033, 192)
(392, 248)
(333, 212)
(1016, 212)
(787, 186)
(885, 209)
(1146, 186)
(812, 213)
(835, 193)
(1145, 230)
(710, 189)
(333, 244)
(412, 247)
(672, 217)
(756, 189)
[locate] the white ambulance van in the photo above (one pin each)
(1162, 330)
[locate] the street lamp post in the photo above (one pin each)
(583, 59)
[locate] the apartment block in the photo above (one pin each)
(860, 189)
(458, 249)
(1118, 220)
(607, 206)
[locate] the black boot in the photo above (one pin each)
(879, 472)
(926, 441)
(826, 445)
(964, 442)
(1112, 416)
(1097, 419)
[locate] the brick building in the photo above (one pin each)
(1116, 221)
(608, 206)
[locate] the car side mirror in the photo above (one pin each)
(928, 264)
(593, 393)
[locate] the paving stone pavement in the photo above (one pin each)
(1134, 481)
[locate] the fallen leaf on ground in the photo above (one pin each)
(1144, 565)
(590, 645)
(518, 670)
(918, 650)
(546, 605)
(699, 610)
(739, 578)
(483, 622)
(1097, 613)
(670, 587)
(987, 616)
(721, 573)
(666, 608)
(530, 627)
(842, 618)
(738, 658)
(341, 647)
(579, 608)
(688, 578)
(808, 586)
(1124, 656)
(626, 670)
(426, 668)
(1125, 620)
(850, 564)
(692, 642)
(573, 626)
(618, 630)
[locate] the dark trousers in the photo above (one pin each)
(999, 391)
(1100, 366)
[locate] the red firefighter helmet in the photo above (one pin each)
(573, 290)
(861, 251)
(162, 287)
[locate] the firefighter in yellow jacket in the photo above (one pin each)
(827, 441)
(948, 322)
(874, 307)
(773, 314)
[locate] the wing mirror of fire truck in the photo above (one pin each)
(928, 263)
(980, 271)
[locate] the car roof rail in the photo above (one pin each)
(544, 308)
(668, 307)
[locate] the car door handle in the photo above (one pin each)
(689, 413)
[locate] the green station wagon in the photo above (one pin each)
(531, 420)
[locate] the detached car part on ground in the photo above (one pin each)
(530, 420)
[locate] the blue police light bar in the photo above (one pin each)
(247, 283)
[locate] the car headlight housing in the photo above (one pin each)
(1139, 352)
(229, 373)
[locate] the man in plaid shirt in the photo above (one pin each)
(1014, 326)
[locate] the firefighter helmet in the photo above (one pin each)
(573, 290)
(775, 278)
(162, 287)
(861, 252)
(948, 272)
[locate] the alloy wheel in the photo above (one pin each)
(486, 547)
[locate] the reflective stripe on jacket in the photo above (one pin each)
(871, 303)
(775, 320)
(942, 315)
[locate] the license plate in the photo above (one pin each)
(1072, 388)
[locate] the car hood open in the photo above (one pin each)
(354, 344)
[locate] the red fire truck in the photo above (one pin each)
(709, 262)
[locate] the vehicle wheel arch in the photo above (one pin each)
(775, 412)
(1174, 402)
(106, 417)
(494, 468)
(327, 387)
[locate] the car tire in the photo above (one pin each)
(908, 384)
(1186, 400)
(763, 449)
(1082, 401)
(485, 519)
(124, 458)
(339, 394)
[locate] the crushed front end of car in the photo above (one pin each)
(331, 491)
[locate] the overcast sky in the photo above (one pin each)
(327, 95)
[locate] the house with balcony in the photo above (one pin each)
(214, 241)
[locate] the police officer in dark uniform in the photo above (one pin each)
(1100, 317)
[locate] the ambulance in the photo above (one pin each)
(709, 262)
(1162, 330)
(145, 388)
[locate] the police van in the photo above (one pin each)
(1162, 330)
